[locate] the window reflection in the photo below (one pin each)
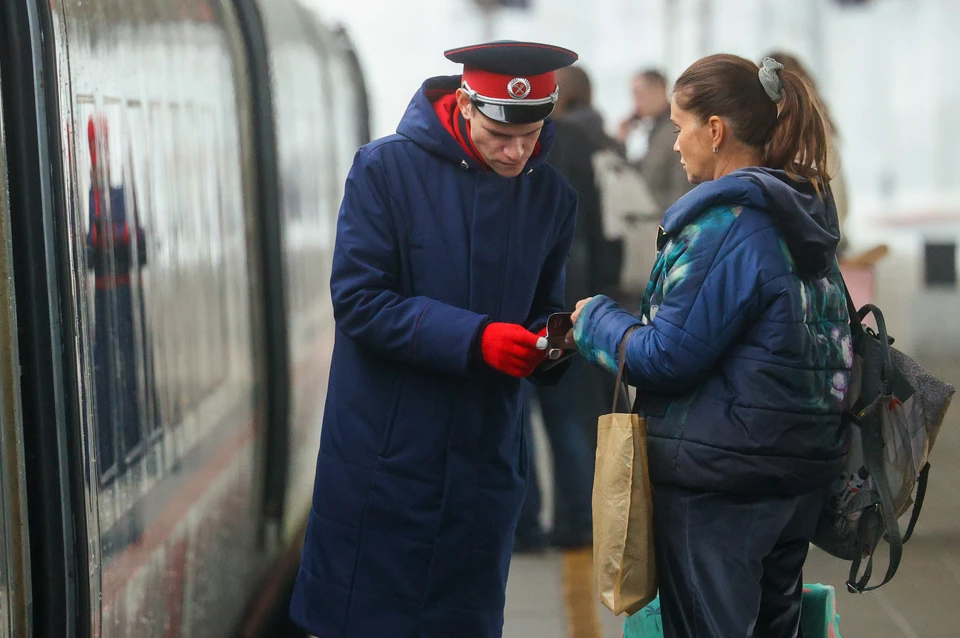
(116, 253)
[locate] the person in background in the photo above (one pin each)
(657, 165)
(570, 408)
(742, 353)
(451, 245)
(632, 132)
(580, 137)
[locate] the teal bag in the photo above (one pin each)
(818, 615)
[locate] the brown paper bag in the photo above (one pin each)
(623, 559)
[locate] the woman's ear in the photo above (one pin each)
(717, 129)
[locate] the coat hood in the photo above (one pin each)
(421, 125)
(807, 221)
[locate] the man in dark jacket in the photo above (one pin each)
(571, 407)
(451, 245)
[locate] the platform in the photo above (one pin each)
(549, 596)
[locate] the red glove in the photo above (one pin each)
(511, 349)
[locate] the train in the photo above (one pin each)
(172, 172)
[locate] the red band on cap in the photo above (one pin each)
(510, 87)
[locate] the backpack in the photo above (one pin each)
(894, 410)
(628, 210)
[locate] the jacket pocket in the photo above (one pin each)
(421, 420)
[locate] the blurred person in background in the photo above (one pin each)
(451, 244)
(742, 353)
(657, 162)
(633, 130)
(570, 408)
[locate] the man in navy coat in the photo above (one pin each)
(451, 245)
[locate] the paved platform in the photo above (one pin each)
(548, 596)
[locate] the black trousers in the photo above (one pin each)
(731, 564)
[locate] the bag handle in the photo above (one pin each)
(856, 328)
(887, 372)
(622, 354)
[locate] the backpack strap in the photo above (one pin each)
(868, 535)
(918, 502)
(851, 307)
(871, 431)
(887, 372)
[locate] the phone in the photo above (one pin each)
(559, 325)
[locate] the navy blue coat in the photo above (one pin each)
(743, 351)
(422, 465)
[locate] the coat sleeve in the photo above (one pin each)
(365, 283)
(549, 296)
(712, 292)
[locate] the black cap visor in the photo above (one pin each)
(514, 113)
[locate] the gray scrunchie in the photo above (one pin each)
(770, 79)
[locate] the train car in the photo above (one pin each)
(171, 176)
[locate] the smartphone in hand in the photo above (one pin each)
(559, 325)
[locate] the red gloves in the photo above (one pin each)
(511, 349)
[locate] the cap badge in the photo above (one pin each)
(519, 88)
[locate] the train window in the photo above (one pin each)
(139, 198)
(180, 325)
(161, 280)
(161, 184)
(114, 256)
(190, 400)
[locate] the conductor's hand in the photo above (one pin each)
(511, 349)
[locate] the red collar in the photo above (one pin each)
(457, 126)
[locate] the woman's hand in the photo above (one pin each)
(580, 305)
(569, 341)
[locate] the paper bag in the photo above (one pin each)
(623, 558)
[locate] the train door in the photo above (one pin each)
(14, 538)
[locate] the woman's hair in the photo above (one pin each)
(790, 132)
(791, 63)
(575, 89)
(652, 76)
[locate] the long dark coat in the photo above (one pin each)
(423, 463)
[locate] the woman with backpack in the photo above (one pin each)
(741, 354)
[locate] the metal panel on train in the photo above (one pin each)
(150, 97)
(158, 119)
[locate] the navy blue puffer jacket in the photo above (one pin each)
(744, 354)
